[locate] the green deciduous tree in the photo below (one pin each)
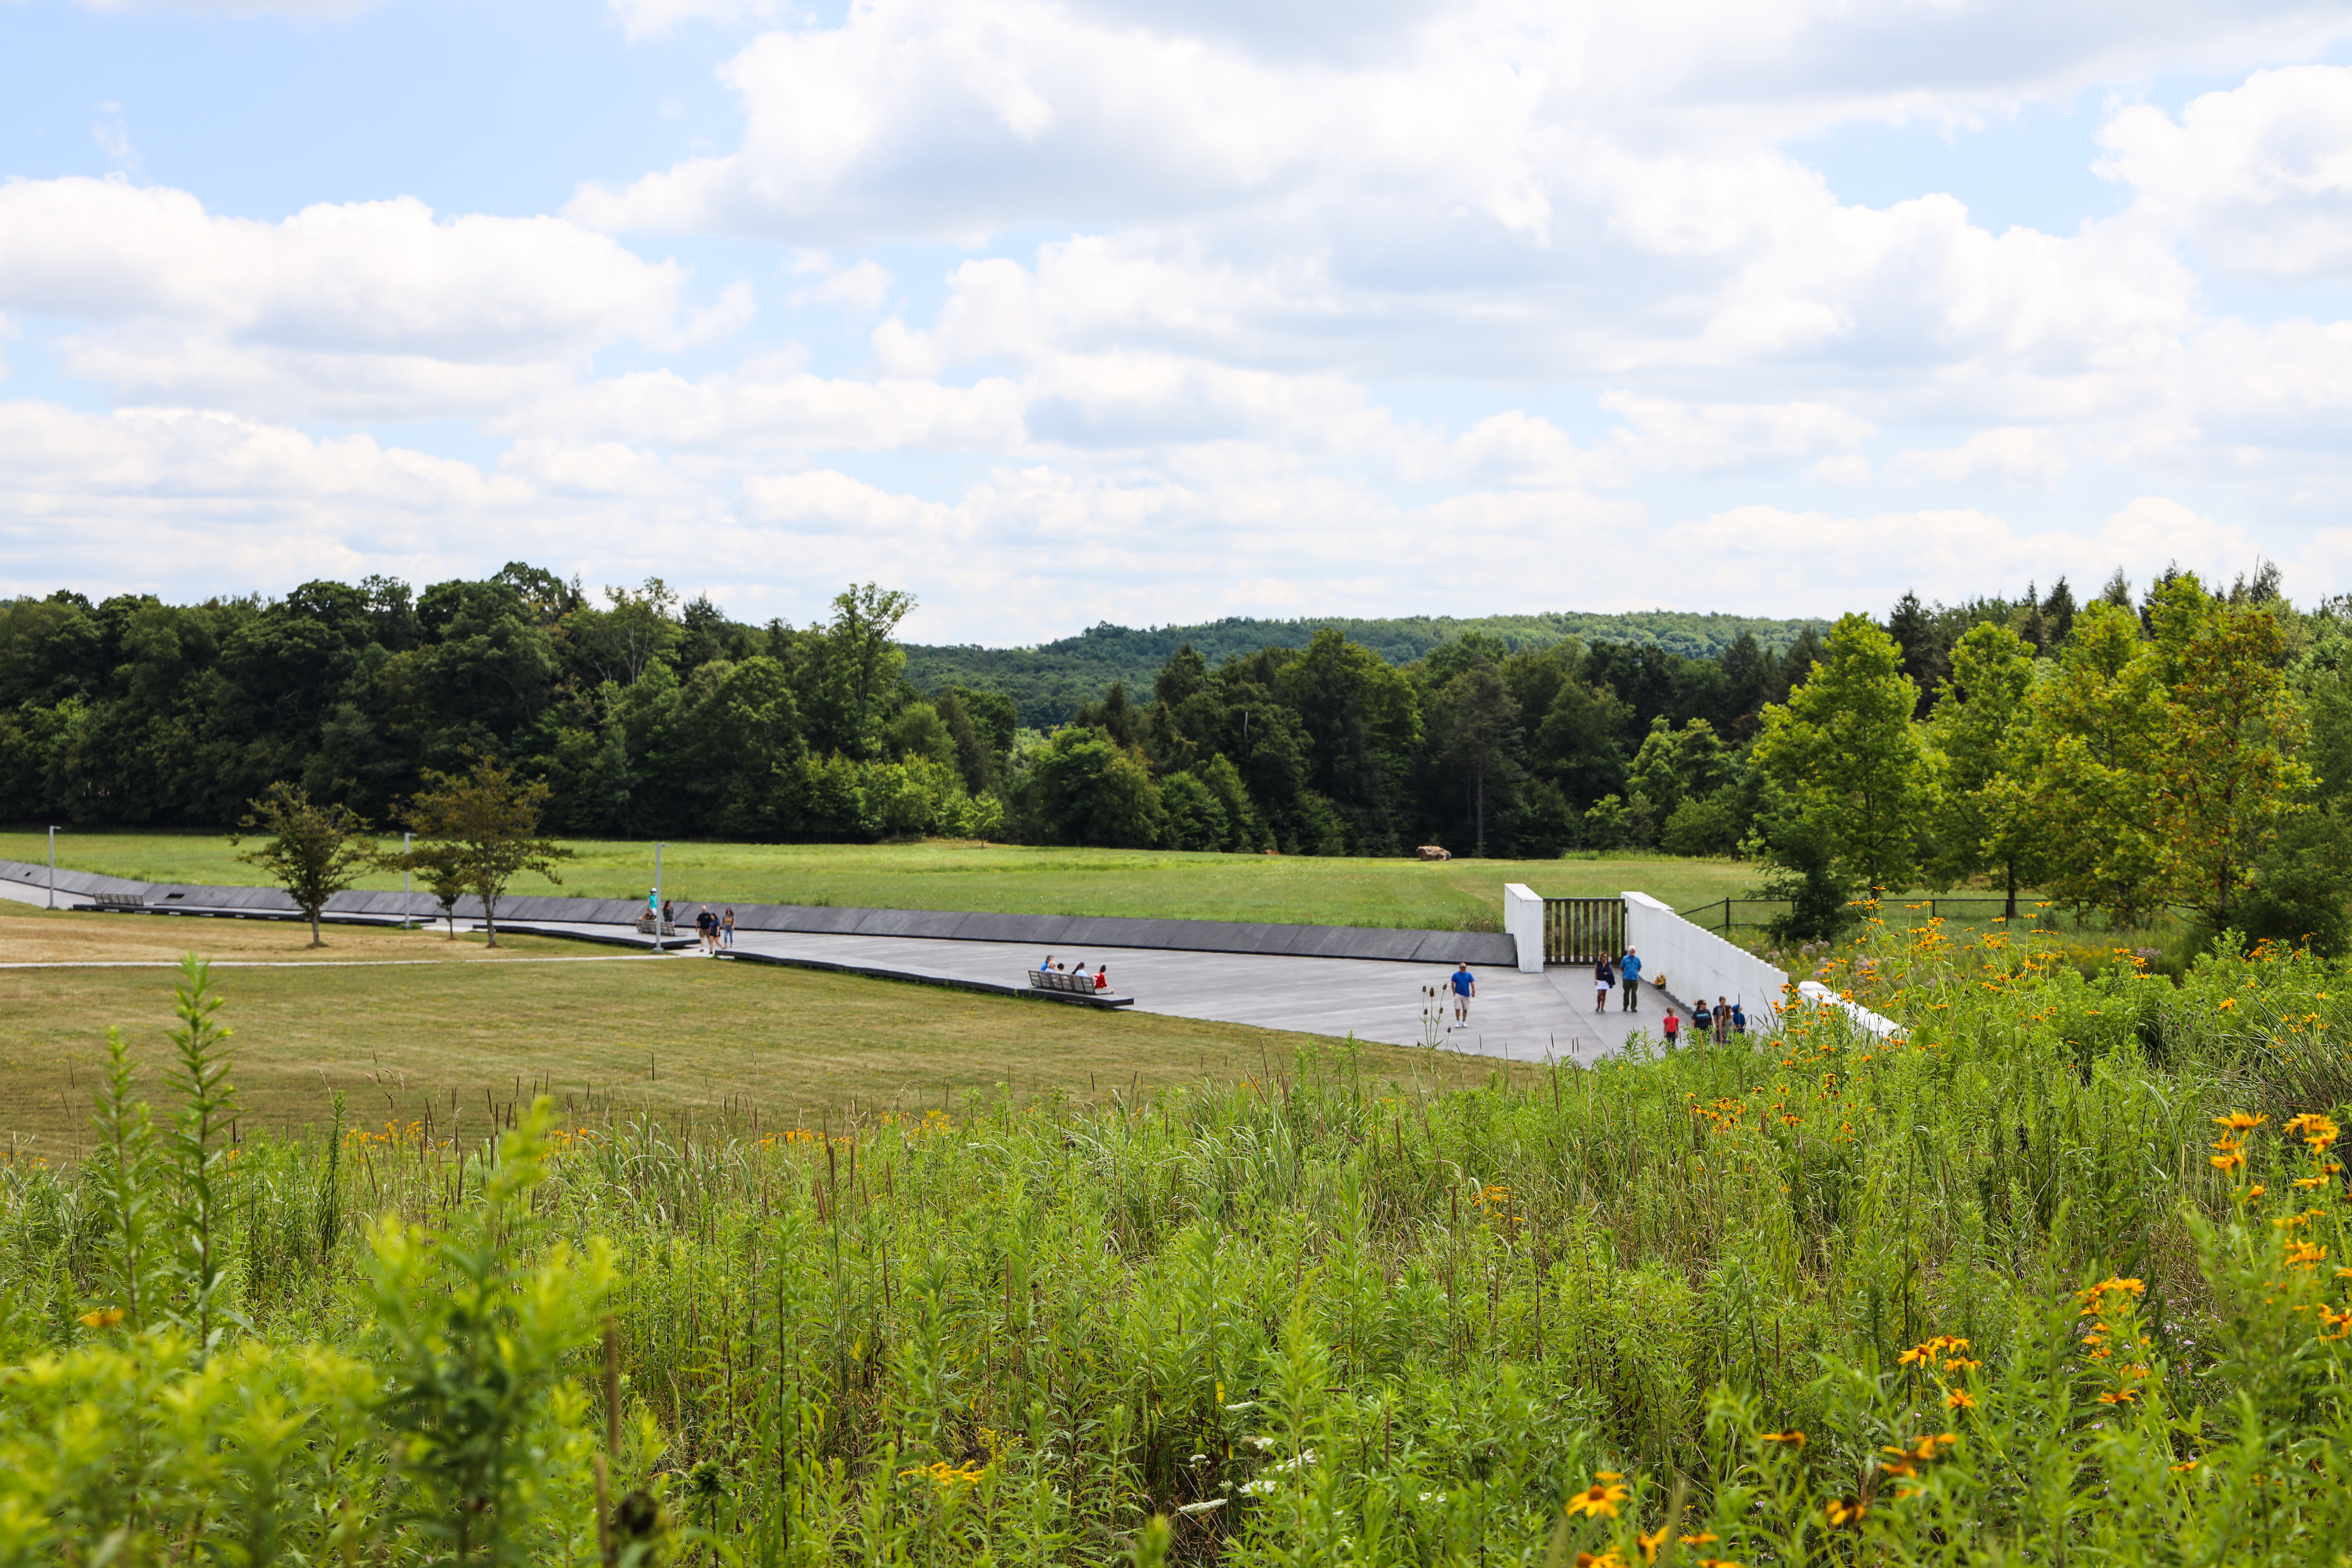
(857, 665)
(1675, 765)
(1855, 766)
(2084, 782)
(482, 830)
(1091, 790)
(2227, 773)
(313, 851)
(1978, 732)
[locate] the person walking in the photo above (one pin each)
(1722, 1020)
(1604, 981)
(1629, 975)
(726, 926)
(1673, 1025)
(706, 926)
(1702, 1020)
(1466, 986)
(1739, 1019)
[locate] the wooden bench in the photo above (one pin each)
(1078, 986)
(645, 926)
(118, 901)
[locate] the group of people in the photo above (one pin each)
(716, 931)
(1623, 974)
(1102, 970)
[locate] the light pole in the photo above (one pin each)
(657, 900)
(53, 868)
(404, 921)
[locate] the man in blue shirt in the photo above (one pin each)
(1629, 973)
(1466, 985)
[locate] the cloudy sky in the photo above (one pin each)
(1057, 312)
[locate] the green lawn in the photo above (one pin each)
(673, 1036)
(1454, 895)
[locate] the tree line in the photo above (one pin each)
(645, 715)
(2187, 746)
(2191, 751)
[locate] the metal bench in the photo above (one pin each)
(117, 902)
(1078, 986)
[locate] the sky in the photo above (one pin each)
(1055, 313)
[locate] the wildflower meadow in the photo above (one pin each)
(2060, 1275)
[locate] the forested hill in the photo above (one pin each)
(1053, 682)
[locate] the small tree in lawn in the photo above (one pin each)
(444, 879)
(481, 831)
(313, 851)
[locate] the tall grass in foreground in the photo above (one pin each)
(2061, 1277)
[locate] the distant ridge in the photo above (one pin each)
(1050, 682)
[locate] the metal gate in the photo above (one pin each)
(1583, 931)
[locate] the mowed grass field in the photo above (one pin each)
(1455, 895)
(401, 1022)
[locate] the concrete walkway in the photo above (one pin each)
(1520, 1017)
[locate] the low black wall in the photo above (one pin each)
(1047, 931)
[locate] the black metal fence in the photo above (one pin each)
(1722, 914)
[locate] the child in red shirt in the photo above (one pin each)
(1673, 1025)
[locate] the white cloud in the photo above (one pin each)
(1813, 563)
(767, 406)
(1287, 289)
(2015, 454)
(1662, 436)
(366, 277)
(863, 287)
(2260, 176)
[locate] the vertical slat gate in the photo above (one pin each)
(1583, 931)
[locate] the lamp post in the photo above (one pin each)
(657, 900)
(405, 911)
(53, 868)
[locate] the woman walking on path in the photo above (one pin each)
(1604, 981)
(1722, 1020)
(726, 925)
(1702, 1021)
